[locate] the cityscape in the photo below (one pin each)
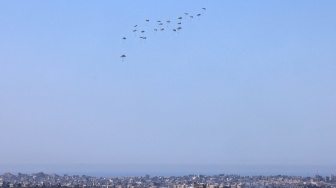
(168, 94)
(188, 181)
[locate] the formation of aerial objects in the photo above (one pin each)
(160, 27)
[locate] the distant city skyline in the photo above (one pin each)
(186, 181)
(110, 170)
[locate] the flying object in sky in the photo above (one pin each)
(159, 27)
(123, 57)
(168, 21)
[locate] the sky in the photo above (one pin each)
(247, 83)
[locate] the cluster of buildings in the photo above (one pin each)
(190, 181)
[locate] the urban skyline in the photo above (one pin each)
(193, 181)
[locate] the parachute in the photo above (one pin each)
(159, 27)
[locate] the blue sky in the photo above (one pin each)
(249, 82)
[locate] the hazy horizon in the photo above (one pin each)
(112, 170)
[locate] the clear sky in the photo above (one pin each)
(249, 82)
